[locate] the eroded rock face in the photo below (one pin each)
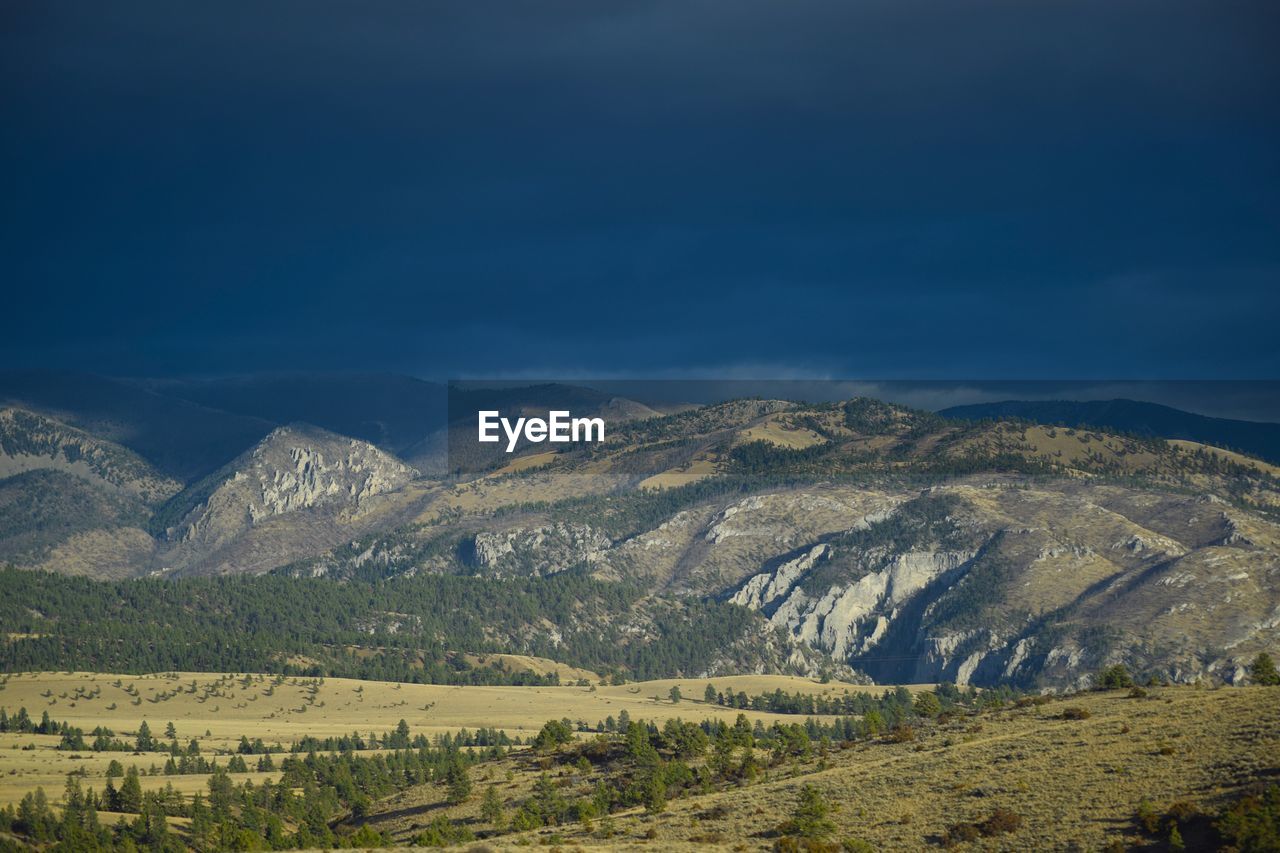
(768, 588)
(849, 619)
(291, 470)
(539, 551)
(352, 475)
(774, 517)
(1054, 583)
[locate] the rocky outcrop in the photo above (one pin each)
(539, 551)
(315, 473)
(1055, 583)
(850, 619)
(294, 470)
(767, 588)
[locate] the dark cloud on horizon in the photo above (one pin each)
(818, 188)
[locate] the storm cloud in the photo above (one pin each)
(1012, 189)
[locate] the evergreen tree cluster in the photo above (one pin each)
(296, 811)
(387, 630)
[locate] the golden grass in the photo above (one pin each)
(537, 666)
(1076, 784)
(523, 463)
(298, 707)
(1069, 448)
(1227, 456)
(698, 469)
(782, 433)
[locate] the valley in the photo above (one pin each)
(753, 624)
(217, 710)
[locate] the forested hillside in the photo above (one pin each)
(411, 629)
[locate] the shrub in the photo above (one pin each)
(811, 818)
(1182, 811)
(902, 734)
(366, 836)
(999, 822)
(928, 705)
(961, 833)
(1147, 816)
(1137, 693)
(791, 844)
(441, 832)
(1075, 713)
(553, 734)
(1253, 822)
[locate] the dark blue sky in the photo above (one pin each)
(847, 188)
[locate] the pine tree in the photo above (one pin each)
(1263, 671)
(547, 802)
(812, 814)
(928, 705)
(131, 792)
(654, 793)
(491, 807)
(34, 817)
(458, 780)
(145, 742)
(220, 794)
(201, 821)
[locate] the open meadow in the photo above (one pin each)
(218, 710)
(1071, 774)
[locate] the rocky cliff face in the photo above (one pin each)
(538, 551)
(299, 472)
(1050, 583)
(972, 583)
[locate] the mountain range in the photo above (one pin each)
(860, 539)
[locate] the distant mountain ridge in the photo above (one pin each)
(850, 537)
(29, 442)
(1135, 417)
(182, 439)
(396, 413)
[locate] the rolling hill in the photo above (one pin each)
(1261, 440)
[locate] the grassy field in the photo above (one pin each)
(1074, 780)
(219, 709)
(1073, 783)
